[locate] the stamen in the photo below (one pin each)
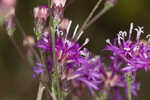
(68, 28)
(139, 31)
(130, 32)
(148, 37)
(121, 36)
(75, 31)
(79, 35)
(86, 41)
(108, 41)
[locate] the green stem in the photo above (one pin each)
(45, 67)
(103, 96)
(55, 63)
(90, 16)
(129, 82)
(53, 26)
(107, 6)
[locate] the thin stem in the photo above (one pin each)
(103, 95)
(107, 6)
(24, 36)
(20, 53)
(17, 48)
(55, 63)
(129, 82)
(51, 18)
(45, 67)
(89, 16)
(40, 91)
(52, 30)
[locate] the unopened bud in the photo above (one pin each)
(60, 3)
(7, 14)
(64, 24)
(112, 2)
(41, 13)
(10, 24)
(58, 9)
(29, 41)
(8, 3)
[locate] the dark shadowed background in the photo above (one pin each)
(16, 81)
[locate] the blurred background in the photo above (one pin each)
(16, 82)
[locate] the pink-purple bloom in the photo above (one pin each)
(136, 54)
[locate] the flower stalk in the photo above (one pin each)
(55, 63)
(108, 5)
(90, 16)
(129, 82)
(52, 26)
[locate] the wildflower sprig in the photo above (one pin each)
(65, 65)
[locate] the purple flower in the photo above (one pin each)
(112, 79)
(88, 73)
(67, 50)
(135, 53)
(69, 53)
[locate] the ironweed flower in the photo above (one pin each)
(74, 62)
(135, 53)
(68, 51)
(88, 73)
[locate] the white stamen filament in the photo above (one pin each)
(86, 41)
(75, 31)
(119, 39)
(148, 37)
(79, 35)
(121, 36)
(130, 32)
(68, 28)
(139, 31)
(127, 49)
(145, 55)
(108, 41)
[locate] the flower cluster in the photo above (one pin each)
(79, 66)
(136, 54)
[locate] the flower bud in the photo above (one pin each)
(8, 3)
(10, 24)
(58, 3)
(41, 14)
(29, 41)
(7, 15)
(58, 9)
(112, 2)
(64, 24)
